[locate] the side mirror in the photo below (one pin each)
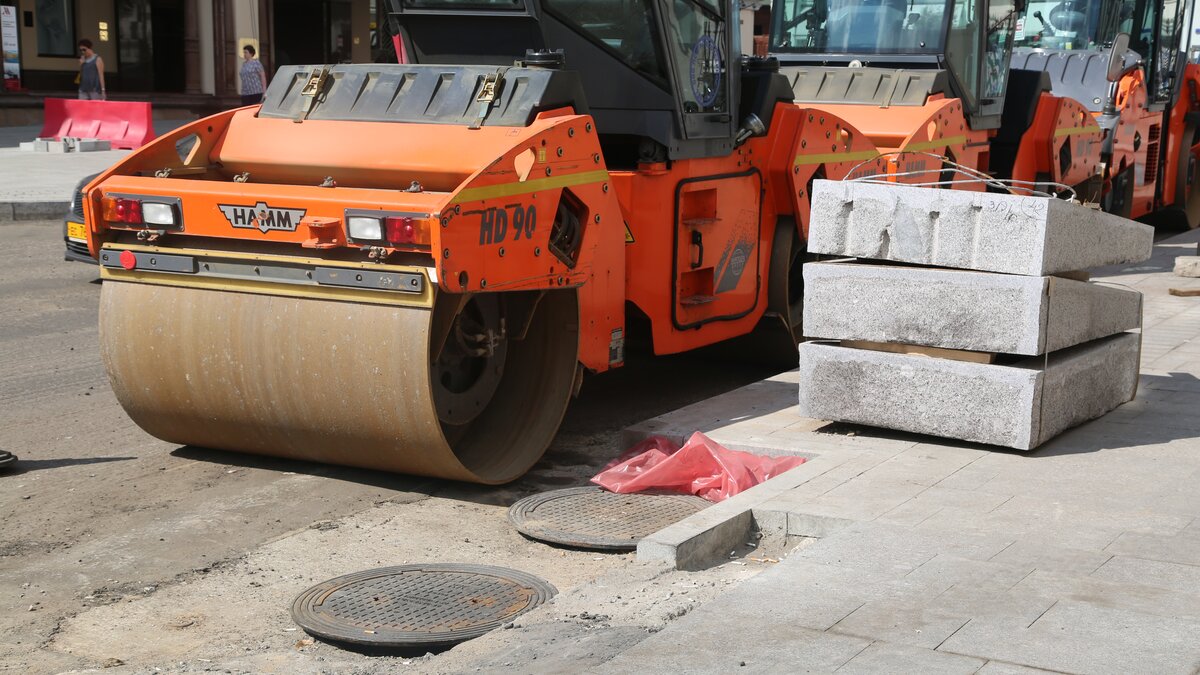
(1116, 57)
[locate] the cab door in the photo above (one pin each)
(716, 257)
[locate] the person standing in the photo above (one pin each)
(254, 78)
(91, 73)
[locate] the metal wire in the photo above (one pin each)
(973, 176)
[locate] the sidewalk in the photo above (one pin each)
(38, 185)
(917, 554)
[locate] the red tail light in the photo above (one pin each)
(123, 210)
(403, 230)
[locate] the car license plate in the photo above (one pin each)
(77, 231)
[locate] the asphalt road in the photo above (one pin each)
(120, 550)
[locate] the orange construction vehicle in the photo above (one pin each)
(1095, 95)
(410, 267)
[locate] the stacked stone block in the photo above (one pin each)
(984, 331)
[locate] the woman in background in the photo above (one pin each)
(91, 73)
(254, 78)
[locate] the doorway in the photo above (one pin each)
(309, 32)
(150, 45)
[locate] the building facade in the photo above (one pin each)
(181, 54)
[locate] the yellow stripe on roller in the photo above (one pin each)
(934, 143)
(1074, 131)
(260, 287)
(519, 188)
(834, 157)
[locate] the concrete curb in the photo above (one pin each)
(707, 538)
(13, 212)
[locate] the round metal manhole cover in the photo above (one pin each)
(591, 517)
(410, 606)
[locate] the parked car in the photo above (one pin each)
(74, 230)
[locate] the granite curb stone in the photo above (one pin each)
(1011, 234)
(956, 309)
(1018, 406)
(11, 212)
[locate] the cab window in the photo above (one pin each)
(624, 27)
(858, 26)
(963, 48)
(694, 39)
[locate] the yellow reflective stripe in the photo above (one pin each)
(834, 157)
(518, 188)
(259, 287)
(1095, 129)
(935, 143)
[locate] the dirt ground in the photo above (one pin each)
(122, 553)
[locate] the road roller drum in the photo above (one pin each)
(338, 380)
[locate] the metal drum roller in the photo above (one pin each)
(468, 388)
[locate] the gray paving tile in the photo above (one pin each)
(1180, 548)
(893, 549)
(1002, 668)
(810, 595)
(879, 490)
(1084, 638)
(911, 513)
(1132, 596)
(951, 570)
(1035, 529)
(1052, 558)
(731, 645)
(1184, 578)
(928, 502)
(862, 507)
(979, 603)
(883, 657)
(901, 622)
(970, 478)
(1085, 512)
(925, 463)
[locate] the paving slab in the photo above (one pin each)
(884, 657)
(1179, 548)
(1135, 596)
(1181, 577)
(969, 230)
(957, 309)
(1002, 668)
(1020, 406)
(1187, 266)
(1080, 637)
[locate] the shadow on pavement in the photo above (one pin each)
(28, 465)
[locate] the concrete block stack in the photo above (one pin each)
(66, 144)
(986, 331)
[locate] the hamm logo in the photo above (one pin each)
(262, 217)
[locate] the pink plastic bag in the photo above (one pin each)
(701, 467)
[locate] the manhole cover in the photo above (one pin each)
(590, 517)
(435, 605)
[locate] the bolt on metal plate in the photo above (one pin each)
(594, 518)
(423, 605)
